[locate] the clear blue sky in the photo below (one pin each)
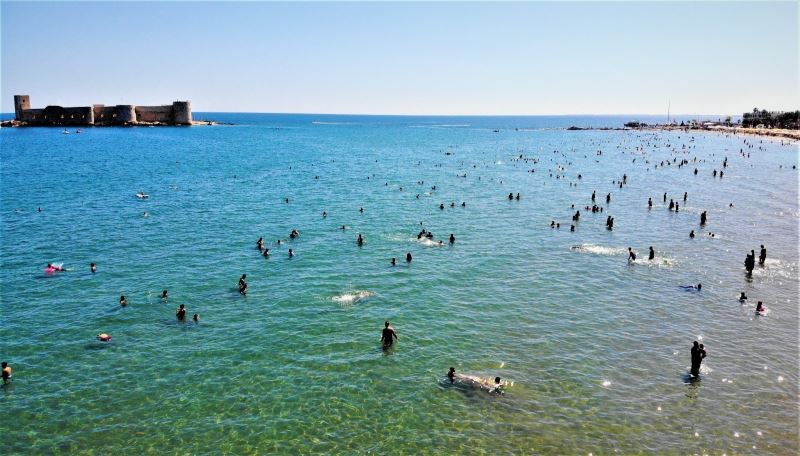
(406, 58)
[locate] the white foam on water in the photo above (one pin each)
(599, 249)
(353, 297)
(429, 243)
(774, 267)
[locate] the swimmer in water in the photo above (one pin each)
(388, 335)
(122, 301)
(760, 309)
(291, 253)
(631, 255)
(343, 228)
(742, 297)
(103, 337)
(243, 284)
(360, 239)
(164, 295)
(408, 257)
(510, 196)
(260, 243)
(394, 261)
(497, 387)
(691, 234)
(452, 238)
(652, 254)
(451, 374)
(180, 312)
(93, 267)
(196, 318)
(266, 253)
(6, 372)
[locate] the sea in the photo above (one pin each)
(593, 350)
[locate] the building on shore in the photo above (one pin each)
(771, 119)
(178, 113)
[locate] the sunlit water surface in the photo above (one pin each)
(597, 348)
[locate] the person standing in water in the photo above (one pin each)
(453, 239)
(762, 256)
(631, 255)
(703, 218)
(243, 284)
(408, 257)
(93, 267)
(698, 354)
(164, 295)
(750, 263)
(6, 372)
(652, 254)
(123, 301)
(697, 358)
(388, 336)
(180, 313)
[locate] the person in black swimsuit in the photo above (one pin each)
(388, 336)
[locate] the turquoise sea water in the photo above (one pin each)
(597, 349)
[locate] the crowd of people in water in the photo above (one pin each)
(389, 335)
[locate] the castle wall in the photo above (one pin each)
(162, 114)
(30, 115)
(57, 115)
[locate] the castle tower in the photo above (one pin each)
(21, 103)
(182, 112)
(125, 114)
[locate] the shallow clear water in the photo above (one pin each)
(597, 349)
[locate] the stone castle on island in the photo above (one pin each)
(178, 113)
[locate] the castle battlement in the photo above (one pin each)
(178, 113)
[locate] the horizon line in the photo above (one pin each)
(452, 115)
